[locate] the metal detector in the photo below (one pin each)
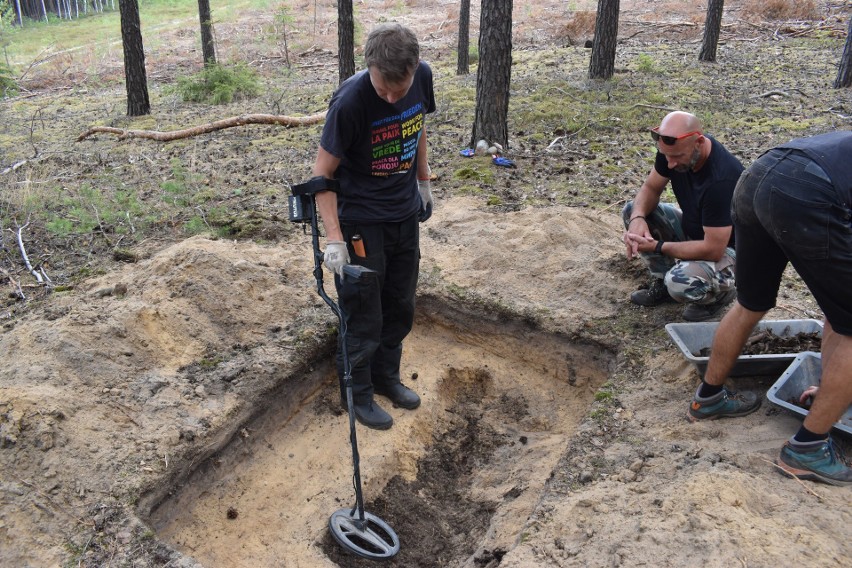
(354, 529)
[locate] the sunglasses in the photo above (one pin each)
(670, 140)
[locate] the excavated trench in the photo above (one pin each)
(456, 479)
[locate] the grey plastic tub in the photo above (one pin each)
(803, 372)
(691, 338)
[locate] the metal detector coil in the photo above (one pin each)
(368, 538)
(354, 529)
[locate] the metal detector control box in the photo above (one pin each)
(301, 205)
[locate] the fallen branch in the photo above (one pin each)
(770, 94)
(14, 167)
(29, 266)
(778, 93)
(792, 309)
(242, 120)
(796, 477)
(657, 107)
(614, 203)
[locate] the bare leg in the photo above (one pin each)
(728, 342)
(835, 391)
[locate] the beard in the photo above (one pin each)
(683, 168)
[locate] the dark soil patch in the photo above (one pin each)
(434, 516)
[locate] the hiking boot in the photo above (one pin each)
(655, 294)
(371, 415)
(816, 461)
(399, 394)
(726, 404)
(704, 312)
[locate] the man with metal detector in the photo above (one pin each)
(793, 205)
(688, 249)
(373, 145)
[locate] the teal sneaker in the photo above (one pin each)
(815, 461)
(725, 404)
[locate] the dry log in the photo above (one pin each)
(241, 120)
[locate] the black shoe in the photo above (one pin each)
(698, 312)
(654, 295)
(399, 394)
(372, 416)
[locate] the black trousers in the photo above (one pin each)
(378, 313)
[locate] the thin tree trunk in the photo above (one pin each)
(18, 12)
(208, 47)
(844, 73)
(134, 59)
(493, 73)
(602, 64)
(345, 39)
(463, 67)
(712, 28)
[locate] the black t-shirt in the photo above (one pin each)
(705, 196)
(833, 153)
(376, 142)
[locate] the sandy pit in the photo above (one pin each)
(170, 401)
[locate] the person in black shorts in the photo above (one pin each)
(794, 204)
(374, 143)
(688, 247)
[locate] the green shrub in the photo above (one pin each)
(219, 85)
(645, 63)
(8, 85)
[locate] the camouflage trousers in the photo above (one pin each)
(688, 281)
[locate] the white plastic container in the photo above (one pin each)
(803, 372)
(691, 338)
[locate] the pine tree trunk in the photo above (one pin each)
(20, 15)
(712, 27)
(844, 73)
(208, 46)
(493, 73)
(345, 39)
(463, 67)
(134, 59)
(602, 64)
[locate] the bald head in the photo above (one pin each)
(679, 139)
(678, 122)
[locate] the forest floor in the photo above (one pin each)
(168, 400)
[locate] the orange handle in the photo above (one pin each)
(358, 246)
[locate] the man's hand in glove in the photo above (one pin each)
(336, 256)
(424, 186)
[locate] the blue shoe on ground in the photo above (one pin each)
(726, 404)
(815, 461)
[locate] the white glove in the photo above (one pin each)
(424, 186)
(336, 256)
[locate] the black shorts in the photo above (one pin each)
(786, 208)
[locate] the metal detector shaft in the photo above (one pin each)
(347, 369)
(365, 535)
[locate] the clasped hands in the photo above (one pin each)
(636, 243)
